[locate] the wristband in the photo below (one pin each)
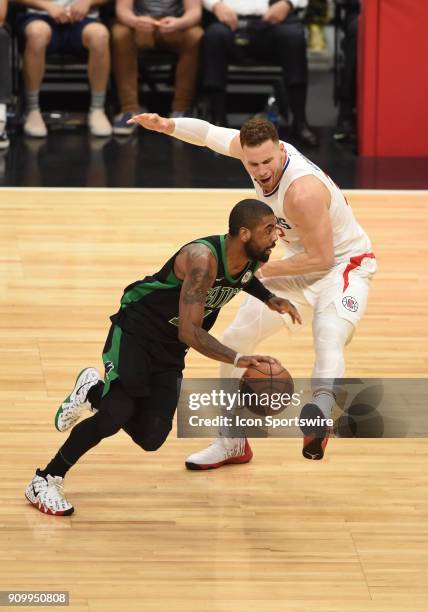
(269, 297)
(237, 358)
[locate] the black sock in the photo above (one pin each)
(95, 394)
(297, 97)
(58, 466)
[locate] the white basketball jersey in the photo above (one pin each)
(349, 238)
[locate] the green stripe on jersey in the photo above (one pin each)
(226, 269)
(209, 245)
(142, 289)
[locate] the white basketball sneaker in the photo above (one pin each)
(220, 452)
(74, 404)
(47, 495)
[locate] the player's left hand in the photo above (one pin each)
(284, 307)
(277, 13)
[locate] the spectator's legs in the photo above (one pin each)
(285, 44)
(348, 97)
(186, 45)
(95, 38)
(5, 84)
(125, 63)
(346, 129)
(217, 49)
(5, 71)
(38, 34)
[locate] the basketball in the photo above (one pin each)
(266, 389)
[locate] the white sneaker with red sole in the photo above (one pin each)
(47, 495)
(223, 451)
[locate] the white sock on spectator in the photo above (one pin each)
(98, 99)
(32, 100)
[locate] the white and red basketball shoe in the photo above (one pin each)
(74, 404)
(223, 451)
(47, 495)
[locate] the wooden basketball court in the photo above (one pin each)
(281, 534)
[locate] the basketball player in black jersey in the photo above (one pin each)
(159, 318)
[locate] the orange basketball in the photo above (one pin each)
(270, 387)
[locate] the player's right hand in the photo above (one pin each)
(153, 121)
(245, 361)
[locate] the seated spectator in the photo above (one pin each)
(5, 75)
(254, 29)
(346, 128)
(162, 24)
(64, 26)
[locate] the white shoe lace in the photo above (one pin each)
(56, 488)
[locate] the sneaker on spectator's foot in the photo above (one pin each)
(4, 140)
(99, 125)
(120, 125)
(47, 495)
(315, 436)
(345, 129)
(74, 404)
(34, 125)
(220, 452)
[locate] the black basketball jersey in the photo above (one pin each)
(149, 308)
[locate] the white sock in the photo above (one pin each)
(98, 99)
(32, 100)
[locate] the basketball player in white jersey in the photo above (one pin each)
(326, 270)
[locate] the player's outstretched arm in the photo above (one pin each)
(198, 267)
(194, 131)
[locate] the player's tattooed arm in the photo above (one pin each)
(197, 266)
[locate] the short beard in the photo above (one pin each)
(257, 255)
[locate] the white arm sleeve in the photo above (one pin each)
(204, 134)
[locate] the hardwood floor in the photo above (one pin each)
(280, 534)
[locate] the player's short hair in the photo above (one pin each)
(256, 131)
(247, 213)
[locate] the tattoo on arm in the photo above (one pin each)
(201, 274)
(195, 289)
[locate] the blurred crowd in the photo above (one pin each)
(205, 36)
